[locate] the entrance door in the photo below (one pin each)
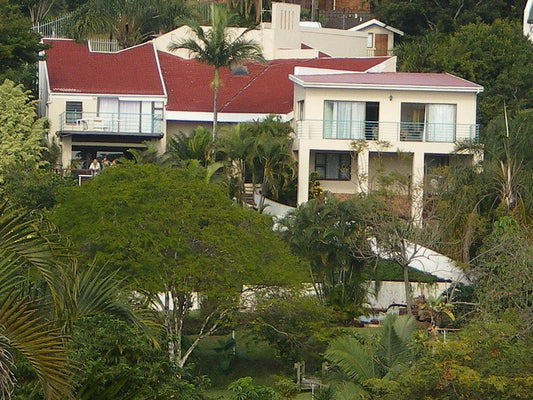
(382, 44)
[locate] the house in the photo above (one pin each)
(355, 118)
(101, 103)
(361, 131)
(380, 37)
(528, 20)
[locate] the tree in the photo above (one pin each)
(502, 272)
(486, 360)
(21, 133)
(170, 232)
(401, 240)
(118, 362)
(356, 362)
(481, 53)
(218, 48)
(332, 235)
(19, 45)
(418, 16)
(127, 22)
(260, 151)
(196, 146)
(24, 251)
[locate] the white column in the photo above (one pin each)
(303, 174)
(417, 187)
(66, 151)
(363, 160)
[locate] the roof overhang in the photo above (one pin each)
(223, 117)
(423, 88)
(129, 97)
(377, 23)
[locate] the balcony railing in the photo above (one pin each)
(111, 123)
(386, 131)
(380, 52)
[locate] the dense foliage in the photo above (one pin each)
(19, 45)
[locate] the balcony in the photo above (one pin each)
(106, 124)
(386, 131)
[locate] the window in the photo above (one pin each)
(429, 122)
(370, 40)
(351, 120)
(336, 166)
(131, 116)
(300, 110)
(74, 112)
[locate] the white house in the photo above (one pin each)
(353, 129)
(380, 37)
(355, 118)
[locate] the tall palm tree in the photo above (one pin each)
(217, 46)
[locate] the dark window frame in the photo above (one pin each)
(324, 158)
(73, 112)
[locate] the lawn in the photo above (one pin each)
(252, 358)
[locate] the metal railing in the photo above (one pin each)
(106, 123)
(104, 46)
(58, 28)
(386, 131)
(379, 53)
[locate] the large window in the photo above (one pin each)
(131, 116)
(335, 166)
(351, 120)
(74, 111)
(428, 122)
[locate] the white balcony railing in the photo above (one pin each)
(111, 123)
(386, 131)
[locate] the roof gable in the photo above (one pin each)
(72, 68)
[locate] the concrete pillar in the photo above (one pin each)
(66, 151)
(417, 187)
(363, 162)
(303, 174)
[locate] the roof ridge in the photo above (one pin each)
(244, 87)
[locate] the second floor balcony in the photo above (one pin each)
(121, 124)
(386, 131)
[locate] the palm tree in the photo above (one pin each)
(356, 361)
(127, 22)
(23, 250)
(217, 47)
(30, 257)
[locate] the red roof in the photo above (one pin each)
(266, 89)
(391, 79)
(72, 68)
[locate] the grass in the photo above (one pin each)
(253, 358)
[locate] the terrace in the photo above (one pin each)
(105, 124)
(386, 131)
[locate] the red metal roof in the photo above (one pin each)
(72, 68)
(391, 79)
(265, 90)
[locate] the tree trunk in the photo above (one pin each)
(215, 84)
(407, 285)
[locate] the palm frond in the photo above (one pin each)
(353, 359)
(42, 346)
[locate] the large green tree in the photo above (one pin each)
(218, 47)
(415, 17)
(170, 232)
(19, 45)
(21, 133)
(332, 235)
(481, 53)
